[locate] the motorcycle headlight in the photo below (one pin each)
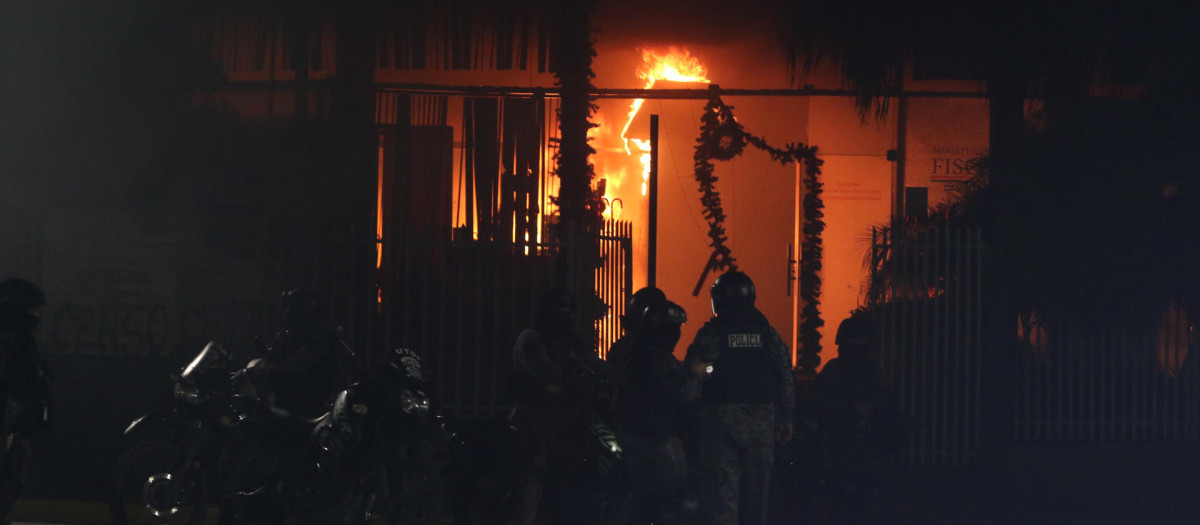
(187, 393)
(414, 404)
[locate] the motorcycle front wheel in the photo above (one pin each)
(143, 491)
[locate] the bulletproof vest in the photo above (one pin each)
(744, 371)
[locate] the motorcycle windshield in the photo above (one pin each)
(211, 357)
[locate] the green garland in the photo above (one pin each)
(723, 138)
(579, 207)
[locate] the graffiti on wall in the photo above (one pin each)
(129, 328)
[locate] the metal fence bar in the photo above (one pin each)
(928, 402)
(1107, 387)
(1153, 387)
(958, 244)
(937, 341)
(1075, 347)
(1092, 397)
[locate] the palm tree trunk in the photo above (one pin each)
(579, 219)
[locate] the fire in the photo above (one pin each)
(644, 147)
(676, 65)
(672, 65)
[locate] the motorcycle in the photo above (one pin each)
(173, 477)
(376, 453)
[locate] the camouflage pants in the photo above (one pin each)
(736, 450)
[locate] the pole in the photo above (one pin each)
(898, 212)
(652, 236)
(795, 258)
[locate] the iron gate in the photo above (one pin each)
(614, 280)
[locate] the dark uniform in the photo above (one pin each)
(301, 372)
(24, 386)
(307, 368)
(651, 414)
(746, 401)
(635, 326)
(308, 362)
(860, 423)
(558, 383)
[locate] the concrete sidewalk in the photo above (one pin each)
(916, 500)
(60, 512)
(38, 511)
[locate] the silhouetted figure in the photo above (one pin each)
(307, 362)
(563, 391)
(859, 422)
(634, 325)
(24, 386)
(301, 371)
(651, 406)
(746, 404)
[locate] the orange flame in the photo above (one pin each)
(672, 65)
(676, 65)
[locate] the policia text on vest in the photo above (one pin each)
(745, 340)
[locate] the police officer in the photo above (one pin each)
(851, 375)
(634, 323)
(558, 381)
(746, 403)
(24, 386)
(651, 407)
(860, 422)
(308, 361)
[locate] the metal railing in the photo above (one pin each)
(1105, 385)
(1111, 384)
(614, 280)
(929, 322)
(460, 305)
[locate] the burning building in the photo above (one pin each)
(402, 159)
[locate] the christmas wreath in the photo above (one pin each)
(723, 138)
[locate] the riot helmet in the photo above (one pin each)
(555, 310)
(662, 321)
(301, 308)
(634, 318)
(732, 291)
(20, 304)
(854, 336)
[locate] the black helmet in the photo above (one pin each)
(732, 290)
(17, 297)
(662, 321)
(634, 318)
(855, 330)
(555, 300)
(555, 310)
(664, 313)
(300, 308)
